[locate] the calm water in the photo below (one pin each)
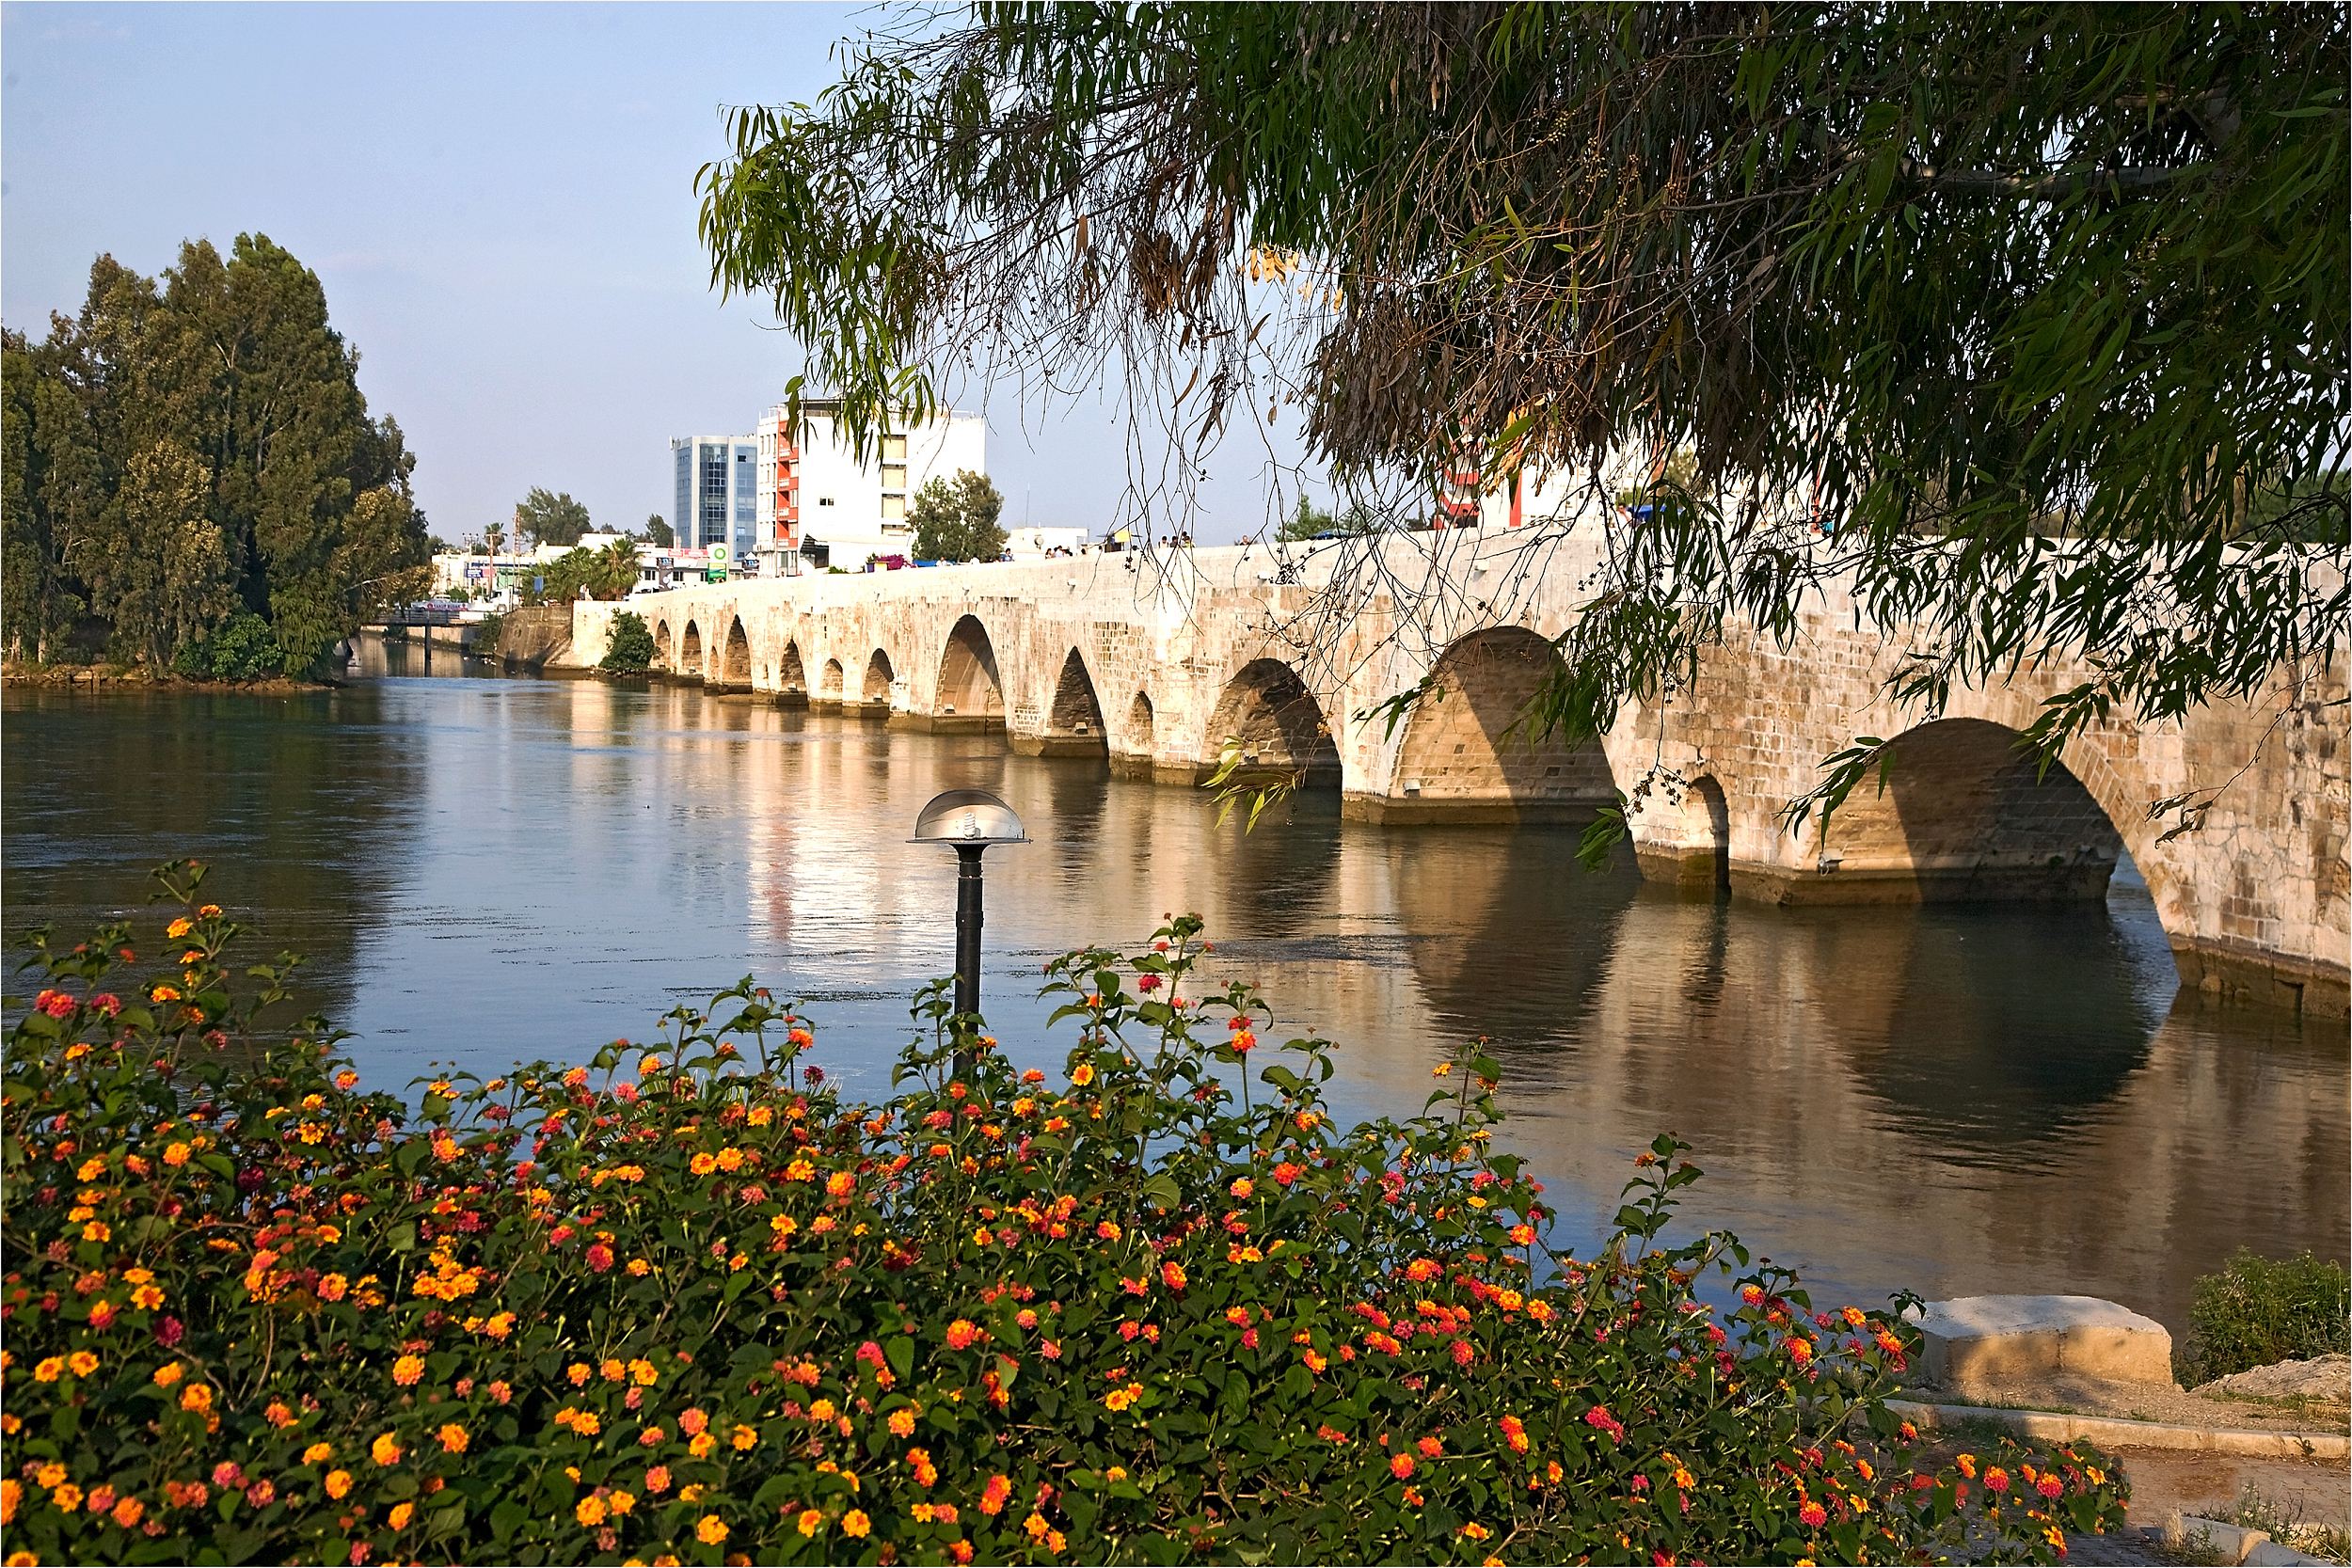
(1949, 1100)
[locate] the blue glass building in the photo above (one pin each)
(716, 492)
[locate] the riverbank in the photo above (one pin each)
(132, 677)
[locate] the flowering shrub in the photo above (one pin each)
(1159, 1308)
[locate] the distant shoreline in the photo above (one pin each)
(106, 677)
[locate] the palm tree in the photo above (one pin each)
(616, 569)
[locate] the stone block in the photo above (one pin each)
(1981, 1345)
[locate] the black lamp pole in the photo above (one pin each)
(968, 927)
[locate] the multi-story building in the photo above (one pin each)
(814, 491)
(717, 493)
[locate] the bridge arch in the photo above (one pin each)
(689, 654)
(736, 667)
(1074, 722)
(791, 675)
(1965, 814)
(1684, 835)
(662, 643)
(1267, 710)
(830, 680)
(1472, 751)
(971, 693)
(874, 695)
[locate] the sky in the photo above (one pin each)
(499, 201)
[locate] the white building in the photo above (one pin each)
(813, 491)
(1026, 544)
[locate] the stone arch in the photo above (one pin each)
(1684, 836)
(1133, 756)
(1279, 727)
(971, 695)
(1963, 814)
(736, 667)
(1074, 725)
(1470, 751)
(830, 681)
(874, 695)
(792, 676)
(661, 644)
(690, 653)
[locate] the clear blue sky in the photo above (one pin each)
(499, 201)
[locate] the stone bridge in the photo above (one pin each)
(1157, 662)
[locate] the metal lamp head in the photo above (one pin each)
(967, 816)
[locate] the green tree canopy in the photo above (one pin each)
(955, 519)
(659, 533)
(551, 518)
(177, 454)
(2040, 310)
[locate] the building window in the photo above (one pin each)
(894, 449)
(894, 506)
(893, 476)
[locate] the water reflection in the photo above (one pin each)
(1950, 1100)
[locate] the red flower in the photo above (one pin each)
(599, 1257)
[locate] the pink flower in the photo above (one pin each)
(1599, 1418)
(599, 1257)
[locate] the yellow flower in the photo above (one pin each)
(743, 1437)
(620, 1502)
(83, 1363)
(811, 1521)
(338, 1484)
(318, 1453)
(453, 1437)
(385, 1449)
(401, 1515)
(855, 1523)
(711, 1530)
(589, 1511)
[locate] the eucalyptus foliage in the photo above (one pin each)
(2027, 323)
(192, 450)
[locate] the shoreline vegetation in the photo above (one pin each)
(682, 1302)
(139, 677)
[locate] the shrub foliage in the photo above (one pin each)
(2257, 1310)
(1157, 1307)
(628, 649)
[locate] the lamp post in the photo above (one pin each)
(968, 820)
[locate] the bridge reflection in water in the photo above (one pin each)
(1948, 1097)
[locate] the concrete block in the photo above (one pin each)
(1981, 1345)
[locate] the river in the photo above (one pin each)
(1948, 1099)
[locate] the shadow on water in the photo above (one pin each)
(1995, 1029)
(1510, 938)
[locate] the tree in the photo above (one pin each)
(1310, 521)
(955, 519)
(178, 453)
(551, 519)
(617, 570)
(628, 647)
(657, 532)
(2042, 309)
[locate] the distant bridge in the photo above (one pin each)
(1152, 663)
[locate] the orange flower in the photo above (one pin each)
(401, 1515)
(810, 1521)
(408, 1371)
(385, 1449)
(589, 1511)
(711, 1530)
(961, 1332)
(855, 1523)
(993, 1495)
(338, 1484)
(453, 1437)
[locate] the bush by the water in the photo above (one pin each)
(243, 649)
(685, 1303)
(2257, 1310)
(629, 646)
